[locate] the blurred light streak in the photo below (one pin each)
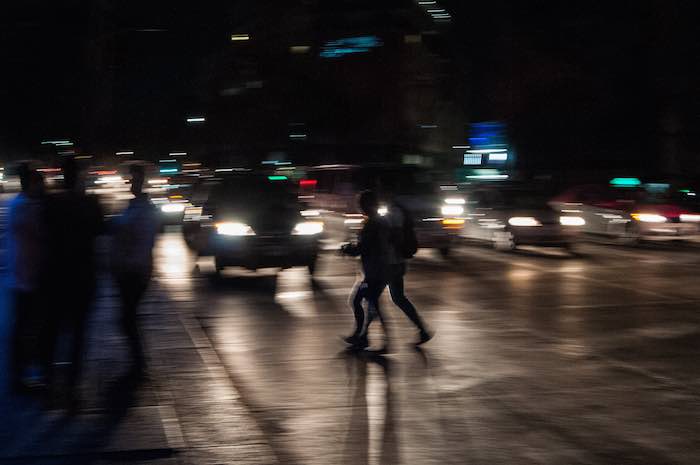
(625, 182)
(487, 176)
(523, 221)
(239, 37)
(572, 221)
(299, 49)
(649, 217)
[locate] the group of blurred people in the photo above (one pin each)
(385, 242)
(52, 268)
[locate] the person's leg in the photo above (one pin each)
(374, 292)
(398, 296)
(131, 289)
(78, 325)
(52, 313)
(358, 296)
(18, 357)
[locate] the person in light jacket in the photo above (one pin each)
(134, 233)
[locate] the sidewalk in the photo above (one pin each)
(187, 413)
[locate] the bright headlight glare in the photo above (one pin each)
(452, 210)
(308, 228)
(523, 221)
(172, 207)
(571, 221)
(382, 210)
(688, 217)
(308, 213)
(234, 229)
(454, 201)
(649, 217)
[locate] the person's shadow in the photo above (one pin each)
(356, 450)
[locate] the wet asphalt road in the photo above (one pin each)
(538, 357)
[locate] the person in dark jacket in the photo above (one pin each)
(373, 248)
(74, 221)
(397, 216)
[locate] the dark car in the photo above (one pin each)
(254, 221)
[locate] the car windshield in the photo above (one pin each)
(406, 181)
(675, 198)
(522, 199)
(252, 191)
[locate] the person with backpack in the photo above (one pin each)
(404, 246)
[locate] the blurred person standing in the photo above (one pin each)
(133, 238)
(373, 248)
(26, 259)
(404, 245)
(74, 222)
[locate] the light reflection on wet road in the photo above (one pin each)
(538, 358)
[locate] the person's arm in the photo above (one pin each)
(350, 249)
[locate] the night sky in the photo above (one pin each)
(584, 84)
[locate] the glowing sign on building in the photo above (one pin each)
(341, 47)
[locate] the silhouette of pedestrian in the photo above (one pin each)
(132, 260)
(373, 248)
(26, 255)
(74, 221)
(403, 246)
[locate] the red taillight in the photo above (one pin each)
(308, 183)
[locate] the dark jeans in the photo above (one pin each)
(67, 315)
(369, 291)
(132, 287)
(396, 289)
(25, 335)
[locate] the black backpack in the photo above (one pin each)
(404, 236)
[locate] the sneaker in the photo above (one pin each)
(424, 337)
(357, 342)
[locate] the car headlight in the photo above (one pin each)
(571, 221)
(308, 228)
(649, 217)
(452, 210)
(523, 221)
(234, 229)
(308, 213)
(687, 217)
(454, 201)
(383, 210)
(172, 208)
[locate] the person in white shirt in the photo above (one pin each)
(132, 259)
